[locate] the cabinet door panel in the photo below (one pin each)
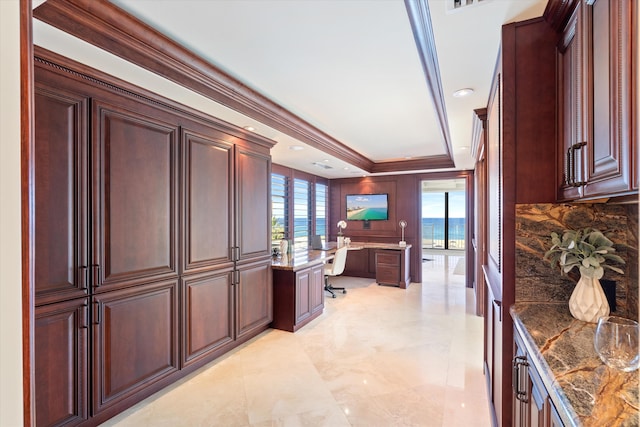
(254, 296)
(303, 297)
(316, 290)
(208, 202)
(135, 340)
(254, 198)
(137, 188)
(570, 111)
(60, 375)
(609, 62)
(60, 195)
(207, 314)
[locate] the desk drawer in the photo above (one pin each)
(388, 257)
(388, 274)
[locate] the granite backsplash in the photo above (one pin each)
(536, 281)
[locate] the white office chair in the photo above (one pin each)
(335, 269)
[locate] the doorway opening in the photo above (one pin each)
(443, 224)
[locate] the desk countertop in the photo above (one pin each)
(301, 258)
(304, 258)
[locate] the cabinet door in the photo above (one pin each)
(608, 51)
(60, 195)
(135, 341)
(254, 201)
(207, 314)
(304, 286)
(207, 194)
(135, 196)
(571, 112)
(316, 291)
(254, 296)
(60, 375)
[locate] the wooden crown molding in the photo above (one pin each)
(477, 132)
(424, 163)
(47, 59)
(108, 27)
(558, 12)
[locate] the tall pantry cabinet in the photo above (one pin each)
(152, 242)
(520, 154)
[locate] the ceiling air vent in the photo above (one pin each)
(322, 165)
(456, 5)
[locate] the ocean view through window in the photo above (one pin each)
(443, 219)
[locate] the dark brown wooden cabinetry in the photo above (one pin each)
(299, 297)
(596, 95)
(152, 242)
(392, 267)
(135, 341)
(521, 126)
(208, 314)
(531, 404)
(61, 362)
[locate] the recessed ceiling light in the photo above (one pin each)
(249, 128)
(345, 168)
(464, 148)
(296, 147)
(463, 92)
(326, 160)
(407, 157)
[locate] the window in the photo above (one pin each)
(301, 212)
(299, 207)
(321, 210)
(279, 208)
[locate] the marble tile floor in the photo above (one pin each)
(378, 356)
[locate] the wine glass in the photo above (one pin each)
(616, 342)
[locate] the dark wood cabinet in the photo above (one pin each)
(254, 294)
(521, 150)
(135, 202)
(596, 95)
(570, 112)
(298, 297)
(253, 224)
(531, 404)
(135, 341)
(208, 313)
(61, 363)
(392, 267)
(152, 222)
(316, 292)
(493, 353)
(207, 200)
(60, 195)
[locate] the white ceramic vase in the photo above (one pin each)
(284, 246)
(588, 301)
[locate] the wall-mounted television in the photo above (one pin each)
(367, 207)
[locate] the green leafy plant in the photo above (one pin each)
(587, 249)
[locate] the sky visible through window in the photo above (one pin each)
(433, 205)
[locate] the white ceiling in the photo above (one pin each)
(350, 68)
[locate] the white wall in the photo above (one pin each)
(10, 249)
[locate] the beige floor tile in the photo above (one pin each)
(378, 356)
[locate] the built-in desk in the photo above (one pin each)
(388, 263)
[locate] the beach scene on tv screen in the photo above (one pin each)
(367, 207)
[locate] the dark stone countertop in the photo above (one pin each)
(584, 390)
